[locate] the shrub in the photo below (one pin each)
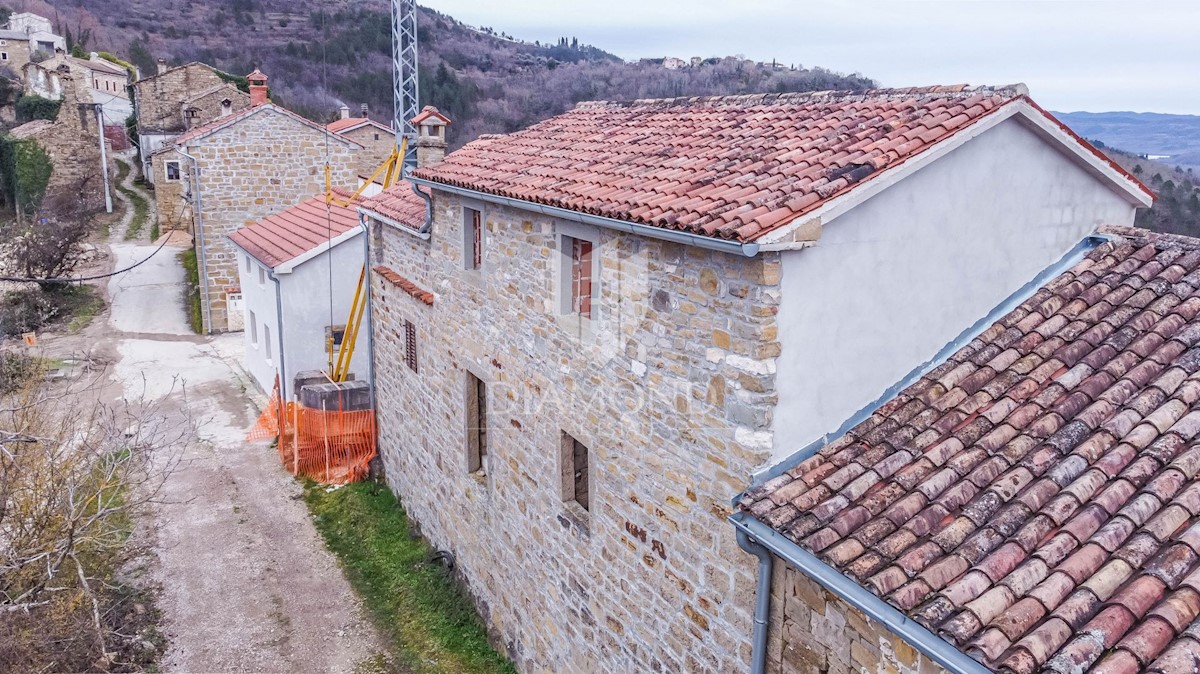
(31, 107)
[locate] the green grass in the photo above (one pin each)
(427, 619)
(141, 207)
(191, 290)
(81, 303)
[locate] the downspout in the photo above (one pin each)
(279, 328)
(366, 229)
(201, 259)
(425, 228)
(762, 608)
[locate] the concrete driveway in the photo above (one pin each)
(247, 584)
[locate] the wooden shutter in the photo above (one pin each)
(581, 277)
(410, 345)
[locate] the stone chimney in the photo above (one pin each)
(162, 66)
(344, 112)
(431, 136)
(364, 109)
(258, 88)
(226, 107)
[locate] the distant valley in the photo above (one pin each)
(1144, 133)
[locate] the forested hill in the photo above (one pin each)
(486, 81)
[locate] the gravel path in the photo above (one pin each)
(246, 582)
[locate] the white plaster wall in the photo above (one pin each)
(893, 280)
(259, 298)
(305, 313)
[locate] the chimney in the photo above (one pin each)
(431, 136)
(364, 109)
(226, 107)
(258, 88)
(344, 112)
(162, 66)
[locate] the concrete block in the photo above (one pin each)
(307, 377)
(346, 396)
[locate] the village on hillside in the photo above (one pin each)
(789, 382)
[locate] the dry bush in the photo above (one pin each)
(74, 473)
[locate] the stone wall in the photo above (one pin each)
(813, 631)
(158, 99)
(208, 105)
(265, 162)
(670, 386)
(18, 54)
(377, 146)
(174, 213)
(73, 143)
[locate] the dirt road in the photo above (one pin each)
(247, 584)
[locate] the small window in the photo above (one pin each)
(267, 341)
(3, 43)
(477, 422)
(472, 239)
(337, 333)
(172, 170)
(3, 56)
(262, 276)
(580, 252)
(574, 459)
(253, 328)
(376, 136)
(410, 345)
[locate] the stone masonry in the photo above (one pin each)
(377, 143)
(72, 141)
(257, 165)
(174, 212)
(813, 631)
(671, 386)
(15, 54)
(159, 99)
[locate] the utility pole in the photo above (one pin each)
(103, 158)
(404, 76)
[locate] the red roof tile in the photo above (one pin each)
(1079, 548)
(404, 284)
(733, 167)
(221, 122)
(398, 203)
(286, 235)
(340, 125)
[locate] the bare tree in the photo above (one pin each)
(74, 473)
(52, 243)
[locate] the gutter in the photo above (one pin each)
(369, 311)
(686, 238)
(201, 260)
(283, 382)
(929, 644)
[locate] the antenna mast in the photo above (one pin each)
(404, 76)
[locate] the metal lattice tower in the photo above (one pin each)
(404, 75)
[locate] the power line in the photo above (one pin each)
(80, 279)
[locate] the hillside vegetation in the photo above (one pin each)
(1177, 209)
(486, 82)
(1176, 136)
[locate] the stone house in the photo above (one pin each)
(298, 270)
(635, 309)
(378, 140)
(72, 141)
(237, 170)
(27, 34)
(106, 82)
(177, 99)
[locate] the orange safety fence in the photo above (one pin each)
(327, 446)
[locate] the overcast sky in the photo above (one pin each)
(1095, 55)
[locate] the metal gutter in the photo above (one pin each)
(201, 261)
(369, 311)
(686, 238)
(423, 235)
(762, 607)
(936, 648)
(1070, 259)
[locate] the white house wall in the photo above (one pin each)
(258, 300)
(896, 278)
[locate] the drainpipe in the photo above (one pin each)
(428, 208)
(363, 222)
(283, 382)
(205, 307)
(762, 608)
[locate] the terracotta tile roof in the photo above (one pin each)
(398, 203)
(1035, 499)
(198, 132)
(733, 167)
(340, 125)
(286, 235)
(404, 284)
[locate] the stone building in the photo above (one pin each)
(239, 169)
(612, 321)
(177, 99)
(27, 35)
(72, 141)
(378, 140)
(104, 82)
